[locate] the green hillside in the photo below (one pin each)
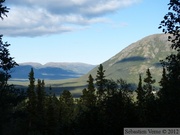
(136, 59)
(130, 62)
(127, 64)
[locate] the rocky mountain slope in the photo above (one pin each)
(136, 59)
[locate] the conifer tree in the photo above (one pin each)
(171, 91)
(66, 111)
(88, 97)
(150, 106)
(119, 111)
(164, 85)
(31, 103)
(40, 90)
(101, 83)
(6, 61)
(148, 86)
(3, 9)
(10, 97)
(140, 93)
(52, 115)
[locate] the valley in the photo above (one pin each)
(127, 64)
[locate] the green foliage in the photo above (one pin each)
(140, 93)
(10, 97)
(88, 97)
(171, 22)
(48, 115)
(32, 102)
(148, 88)
(6, 61)
(52, 115)
(41, 100)
(100, 83)
(170, 90)
(3, 9)
(104, 108)
(163, 83)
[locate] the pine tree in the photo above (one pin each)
(6, 61)
(150, 106)
(88, 97)
(66, 112)
(140, 93)
(101, 83)
(149, 81)
(31, 103)
(41, 98)
(52, 115)
(163, 83)
(171, 91)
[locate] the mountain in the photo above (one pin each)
(50, 71)
(77, 67)
(136, 59)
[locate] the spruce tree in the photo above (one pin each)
(88, 97)
(140, 93)
(31, 103)
(10, 97)
(164, 85)
(41, 98)
(6, 61)
(52, 115)
(66, 112)
(101, 83)
(150, 106)
(171, 91)
(148, 86)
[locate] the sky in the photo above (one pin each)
(87, 31)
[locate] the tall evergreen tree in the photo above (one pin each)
(10, 97)
(119, 109)
(163, 83)
(31, 103)
(140, 93)
(66, 112)
(88, 97)
(100, 83)
(141, 107)
(148, 86)
(52, 115)
(41, 98)
(6, 61)
(171, 91)
(150, 106)
(146, 103)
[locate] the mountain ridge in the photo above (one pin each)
(50, 71)
(136, 58)
(78, 67)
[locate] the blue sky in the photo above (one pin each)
(87, 31)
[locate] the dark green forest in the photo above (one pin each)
(105, 106)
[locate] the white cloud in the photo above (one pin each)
(36, 18)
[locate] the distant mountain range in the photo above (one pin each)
(51, 71)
